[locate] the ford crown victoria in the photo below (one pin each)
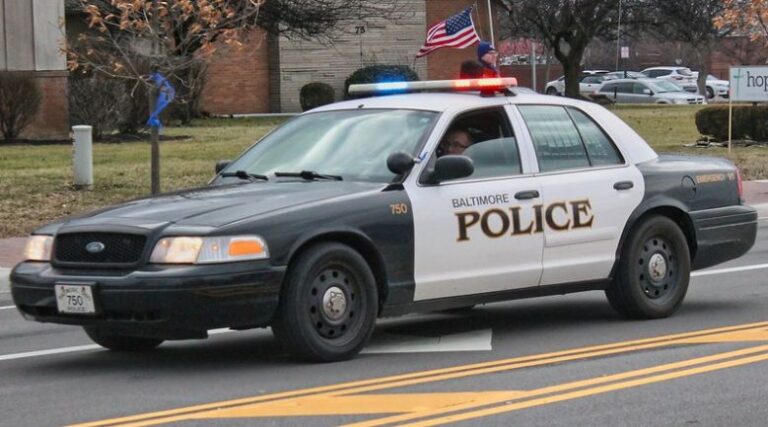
(362, 209)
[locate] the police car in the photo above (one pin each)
(363, 209)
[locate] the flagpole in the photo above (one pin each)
(490, 21)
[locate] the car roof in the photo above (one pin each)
(445, 101)
(666, 68)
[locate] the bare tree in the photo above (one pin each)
(692, 22)
(133, 39)
(566, 26)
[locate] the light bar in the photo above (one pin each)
(483, 85)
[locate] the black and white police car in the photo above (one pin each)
(357, 210)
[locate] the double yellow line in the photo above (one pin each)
(479, 409)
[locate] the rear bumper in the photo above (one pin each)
(723, 234)
(164, 302)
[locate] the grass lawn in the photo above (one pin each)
(36, 180)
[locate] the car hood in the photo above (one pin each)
(216, 206)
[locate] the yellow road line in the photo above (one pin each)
(602, 380)
(593, 391)
(160, 417)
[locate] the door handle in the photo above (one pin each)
(527, 195)
(623, 185)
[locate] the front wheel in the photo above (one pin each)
(710, 93)
(328, 306)
(552, 91)
(654, 270)
(118, 342)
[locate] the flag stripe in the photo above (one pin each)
(458, 31)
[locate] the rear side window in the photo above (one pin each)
(555, 138)
(567, 139)
(626, 87)
(609, 87)
(600, 149)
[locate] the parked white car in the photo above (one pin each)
(681, 76)
(590, 81)
(716, 86)
(646, 91)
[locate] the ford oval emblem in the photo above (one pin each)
(95, 247)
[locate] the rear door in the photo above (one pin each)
(475, 235)
(589, 192)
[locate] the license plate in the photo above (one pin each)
(75, 299)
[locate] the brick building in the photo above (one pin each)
(267, 74)
(30, 34)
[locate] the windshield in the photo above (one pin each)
(662, 86)
(353, 144)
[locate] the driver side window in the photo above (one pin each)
(484, 136)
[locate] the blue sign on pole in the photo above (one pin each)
(165, 96)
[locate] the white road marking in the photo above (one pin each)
(75, 349)
(466, 341)
(31, 354)
(7, 307)
(729, 270)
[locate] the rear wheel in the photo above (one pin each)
(117, 342)
(552, 91)
(710, 93)
(328, 307)
(654, 270)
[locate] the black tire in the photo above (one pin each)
(116, 342)
(308, 323)
(654, 270)
(552, 91)
(710, 93)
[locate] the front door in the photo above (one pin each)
(474, 235)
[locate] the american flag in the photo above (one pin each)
(457, 31)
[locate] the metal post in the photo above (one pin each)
(490, 21)
(83, 157)
(533, 65)
(618, 40)
(730, 119)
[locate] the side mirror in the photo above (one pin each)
(451, 167)
(647, 92)
(400, 162)
(221, 164)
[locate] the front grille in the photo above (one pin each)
(117, 248)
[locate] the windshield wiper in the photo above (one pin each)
(244, 175)
(308, 175)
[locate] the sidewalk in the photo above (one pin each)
(755, 193)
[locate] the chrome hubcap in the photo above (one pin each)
(334, 303)
(657, 267)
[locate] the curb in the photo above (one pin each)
(5, 281)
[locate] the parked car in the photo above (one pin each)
(590, 81)
(681, 76)
(715, 86)
(646, 91)
(624, 75)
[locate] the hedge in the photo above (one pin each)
(379, 73)
(749, 122)
(316, 94)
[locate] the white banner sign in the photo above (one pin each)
(749, 84)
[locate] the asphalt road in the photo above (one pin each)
(557, 361)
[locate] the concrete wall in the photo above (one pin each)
(383, 42)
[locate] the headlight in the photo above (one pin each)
(208, 250)
(38, 248)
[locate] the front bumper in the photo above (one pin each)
(723, 234)
(175, 302)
